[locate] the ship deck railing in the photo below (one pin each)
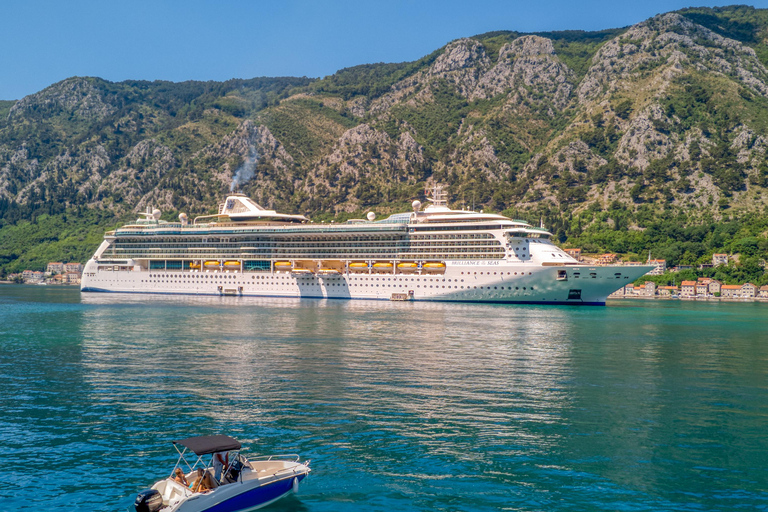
(177, 228)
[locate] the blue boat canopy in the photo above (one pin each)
(203, 445)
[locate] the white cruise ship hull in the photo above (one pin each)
(462, 281)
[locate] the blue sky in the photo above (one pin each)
(46, 41)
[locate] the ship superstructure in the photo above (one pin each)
(435, 253)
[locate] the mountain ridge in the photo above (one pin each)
(661, 119)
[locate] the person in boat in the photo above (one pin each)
(178, 475)
(220, 461)
(203, 481)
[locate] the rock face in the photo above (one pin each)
(362, 167)
(529, 70)
(474, 157)
(526, 69)
(673, 43)
(136, 180)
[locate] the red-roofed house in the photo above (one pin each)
(606, 259)
(730, 291)
(688, 288)
(661, 267)
(748, 290)
(574, 253)
(763, 292)
(666, 291)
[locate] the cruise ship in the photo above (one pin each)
(433, 253)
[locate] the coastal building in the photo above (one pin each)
(54, 267)
(719, 259)
(702, 289)
(660, 267)
(763, 292)
(714, 286)
(730, 291)
(73, 267)
(32, 275)
(606, 259)
(688, 288)
(667, 291)
(72, 277)
(650, 289)
(748, 290)
(574, 253)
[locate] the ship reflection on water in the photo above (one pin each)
(443, 376)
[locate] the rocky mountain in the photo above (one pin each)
(614, 129)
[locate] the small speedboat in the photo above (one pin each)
(244, 483)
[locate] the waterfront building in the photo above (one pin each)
(748, 290)
(650, 288)
(688, 288)
(666, 291)
(730, 291)
(54, 267)
(719, 259)
(32, 275)
(72, 277)
(763, 292)
(714, 286)
(73, 267)
(702, 289)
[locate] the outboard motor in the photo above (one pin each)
(234, 469)
(148, 500)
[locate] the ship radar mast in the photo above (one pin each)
(438, 195)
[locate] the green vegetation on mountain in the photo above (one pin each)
(629, 140)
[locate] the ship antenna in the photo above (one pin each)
(438, 195)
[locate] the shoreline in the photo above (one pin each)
(694, 299)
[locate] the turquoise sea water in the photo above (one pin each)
(643, 405)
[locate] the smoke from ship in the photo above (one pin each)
(246, 171)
